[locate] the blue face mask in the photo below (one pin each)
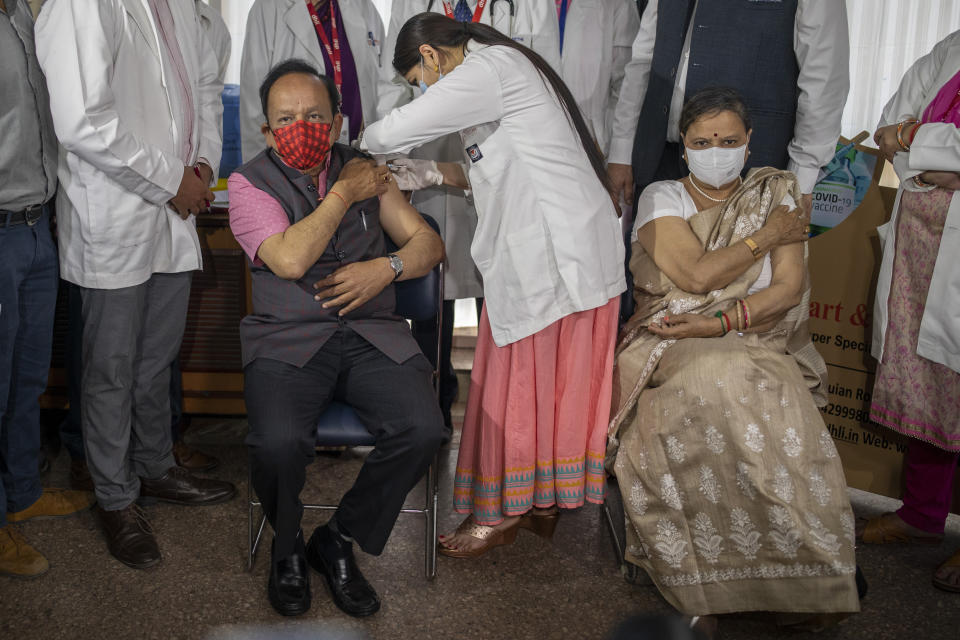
(423, 85)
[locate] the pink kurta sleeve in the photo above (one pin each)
(254, 215)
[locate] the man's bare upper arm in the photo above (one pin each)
(400, 221)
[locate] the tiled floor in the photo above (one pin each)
(570, 588)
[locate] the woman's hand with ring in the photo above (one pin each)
(788, 225)
(686, 325)
(886, 139)
(943, 179)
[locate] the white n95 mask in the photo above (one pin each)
(716, 166)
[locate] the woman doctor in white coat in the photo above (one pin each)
(549, 250)
(916, 331)
(534, 24)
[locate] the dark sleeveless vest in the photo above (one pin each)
(287, 324)
(744, 44)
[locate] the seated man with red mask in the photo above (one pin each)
(311, 217)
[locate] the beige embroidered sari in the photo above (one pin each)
(734, 495)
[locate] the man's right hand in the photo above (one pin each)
(361, 179)
(621, 176)
(192, 196)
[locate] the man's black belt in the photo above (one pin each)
(29, 216)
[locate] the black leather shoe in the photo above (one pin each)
(289, 586)
(129, 537)
(179, 486)
(332, 556)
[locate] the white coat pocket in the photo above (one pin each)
(531, 268)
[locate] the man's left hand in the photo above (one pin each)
(355, 284)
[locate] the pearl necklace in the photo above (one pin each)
(693, 181)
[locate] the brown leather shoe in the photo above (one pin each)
(80, 476)
(54, 503)
(17, 558)
(130, 537)
(192, 459)
(179, 486)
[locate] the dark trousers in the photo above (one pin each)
(425, 333)
(28, 295)
(130, 337)
(71, 431)
(395, 402)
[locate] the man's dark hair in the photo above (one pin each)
(287, 67)
(711, 101)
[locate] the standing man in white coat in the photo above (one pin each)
(341, 37)
(596, 38)
(533, 24)
(136, 105)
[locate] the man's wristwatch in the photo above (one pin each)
(396, 263)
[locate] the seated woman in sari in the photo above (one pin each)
(734, 494)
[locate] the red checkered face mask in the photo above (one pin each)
(303, 145)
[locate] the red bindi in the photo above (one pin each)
(714, 135)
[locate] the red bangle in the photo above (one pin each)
(913, 133)
(342, 199)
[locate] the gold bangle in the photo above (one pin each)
(900, 126)
(920, 182)
(754, 248)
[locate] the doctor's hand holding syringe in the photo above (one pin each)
(412, 174)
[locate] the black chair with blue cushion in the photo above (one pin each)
(418, 299)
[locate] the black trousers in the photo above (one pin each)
(397, 404)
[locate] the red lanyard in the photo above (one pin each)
(448, 9)
(334, 50)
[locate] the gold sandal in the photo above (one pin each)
(889, 529)
(952, 561)
(493, 538)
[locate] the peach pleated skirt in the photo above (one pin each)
(534, 434)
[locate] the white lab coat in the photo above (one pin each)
(278, 30)
(597, 45)
(548, 241)
(118, 125)
(218, 34)
(536, 26)
(936, 147)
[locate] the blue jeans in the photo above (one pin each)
(28, 295)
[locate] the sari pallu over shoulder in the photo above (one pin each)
(639, 351)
